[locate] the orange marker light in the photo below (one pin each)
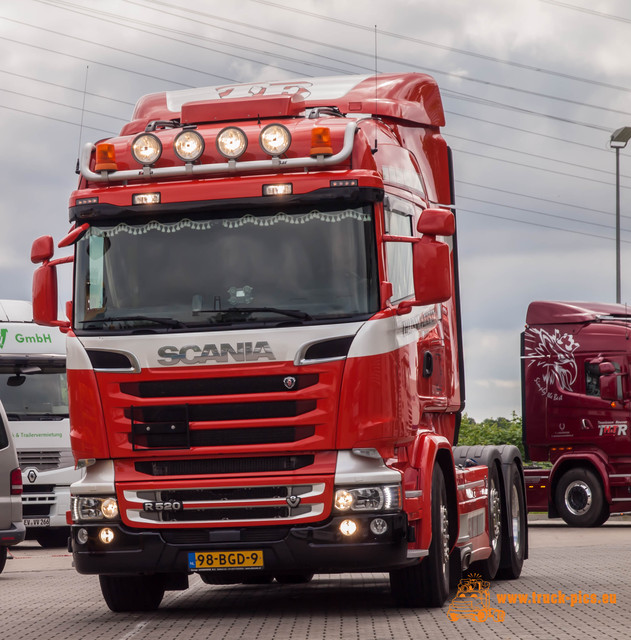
(321, 142)
(105, 157)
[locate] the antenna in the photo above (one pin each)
(374, 150)
(85, 89)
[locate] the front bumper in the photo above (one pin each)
(313, 549)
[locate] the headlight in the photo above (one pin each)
(189, 146)
(146, 149)
(89, 508)
(231, 142)
(379, 498)
(275, 139)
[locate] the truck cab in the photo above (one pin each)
(577, 400)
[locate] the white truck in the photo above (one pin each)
(34, 393)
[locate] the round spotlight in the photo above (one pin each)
(146, 149)
(82, 536)
(109, 508)
(378, 526)
(275, 139)
(231, 143)
(106, 536)
(348, 527)
(189, 146)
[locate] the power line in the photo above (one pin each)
(39, 115)
(99, 62)
(481, 56)
(543, 226)
(62, 86)
(592, 12)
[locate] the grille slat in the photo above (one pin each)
(220, 466)
(40, 460)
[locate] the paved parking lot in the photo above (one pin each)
(43, 597)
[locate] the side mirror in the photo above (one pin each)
(44, 293)
(610, 389)
(42, 249)
(432, 260)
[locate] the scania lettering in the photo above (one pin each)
(577, 396)
(34, 392)
(264, 347)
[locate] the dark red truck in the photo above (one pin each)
(576, 400)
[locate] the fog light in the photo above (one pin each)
(82, 536)
(378, 526)
(348, 527)
(106, 535)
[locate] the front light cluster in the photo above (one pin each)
(231, 143)
(93, 508)
(378, 498)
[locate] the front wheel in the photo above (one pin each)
(580, 499)
(132, 593)
(427, 583)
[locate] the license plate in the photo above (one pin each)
(218, 560)
(37, 522)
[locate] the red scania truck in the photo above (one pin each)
(576, 401)
(264, 349)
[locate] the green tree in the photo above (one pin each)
(491, 431)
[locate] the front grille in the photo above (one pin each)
(220, 466)
(226, 506)
(40, 460)
(206, 387)
(177, 436)
(217, 412)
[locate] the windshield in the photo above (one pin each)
(287, 266)
(34, 396)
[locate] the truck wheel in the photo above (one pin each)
(3, 558)
(49, 538)
(427, 583)
(514, 542)
(132, 593)
(580, 500)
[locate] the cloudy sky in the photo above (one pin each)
(532, 90)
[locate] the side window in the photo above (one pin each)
(398, 222)
(592, 379)
(4, 438)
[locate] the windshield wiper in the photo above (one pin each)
(167, 322)
(292, 313)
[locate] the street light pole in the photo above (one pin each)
(619, 139)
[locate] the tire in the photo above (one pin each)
(294, 578)
(132, 593)
(3, 558)
(427, 583)
(515, 522)
(50, 538)
(489, 567)
(580, 500)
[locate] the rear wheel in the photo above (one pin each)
(132, 593)
(488, 568)
(427, 583)
(3, 558)
(580, 499)
(514, 542)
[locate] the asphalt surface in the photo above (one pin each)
(569, 573)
